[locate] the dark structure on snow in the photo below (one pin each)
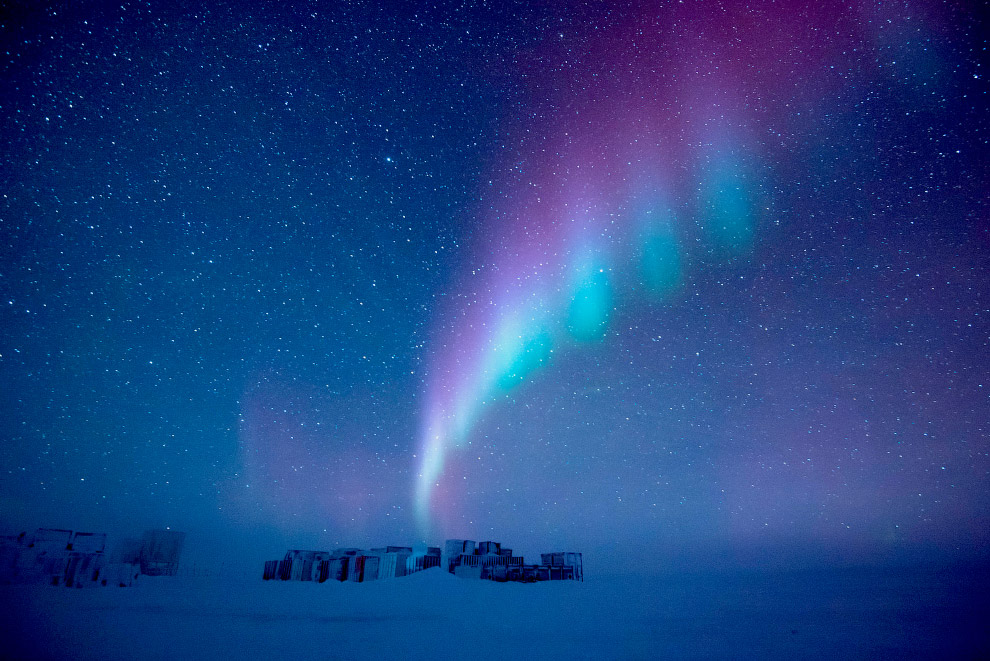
(461, 557)
(160, 552)
(56, 557)
(80, 559)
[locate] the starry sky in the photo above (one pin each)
(623, 278)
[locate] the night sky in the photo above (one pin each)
(655, 278)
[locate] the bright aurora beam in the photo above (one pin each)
(642, 157)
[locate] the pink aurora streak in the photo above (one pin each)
(656, 127)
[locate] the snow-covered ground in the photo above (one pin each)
(840, 613)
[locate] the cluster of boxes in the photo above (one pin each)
(79, 559)
(461, 557)
(488, 560)
(55, 557)
(354, 565)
